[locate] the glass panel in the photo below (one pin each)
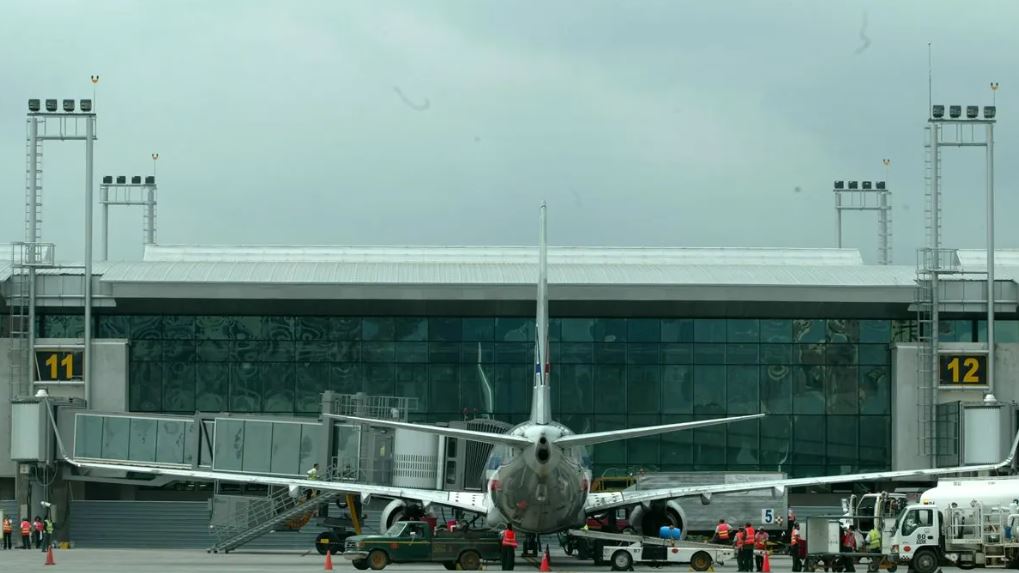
(178, 327)
(146, 386)
(776, 353)
(610, 330)
(411, 351)
(213, 327)
(443, 382)
(257, 436)
(178, 387)
(607, 353)
(229, 439)
(319, 350)
(308, 328)
(677, 447)
(709, 390)
(709, 446)
(380, 379)
(170, 441)
(245, 387)
(609, 388)
(212, 382)
(213, 351)
(248, 328)
(611, 452)
(146, 327)
(478, 329)
(378, 351)
(643, 330)
(444, 329)
(808, 389)
(742, 390)
(555, 330)
(742, 444)
(444, 352)
(677, 353)
(88, 436)
(875, 331)
(776, 389)
(904, 331)
(286, 449)
(809, 444)
(278, 327)
(1004, 331)
(842, 444)
(146, 350)
(743, 330)
(709, 330)
(142, 445)
(345, 328)
(577, 388)
(808, 353)
(114, 326)
(643, 388)
(514, 329)
(840, 354)
(809, 331)
(741, 354)
(310, 438)
(116, 438)
(642, 354)
(776, 331)
(875, 442)
(843, 389)
(578, 330)
(677, 389)
(776, 443)
(642, 451)
(179, 351)
(677, 330)
(312, 381)
(345, 378)
(278, 387)
(875, 390)
(576, 353)
(412, 381)
(843, 330)
(378, 328)
(874, 354)
(709, 353)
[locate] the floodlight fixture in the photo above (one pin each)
(990, 111)
(69, 105)
(33, 105)
(866, 185)
(85, 105)
(880, 185)
(954, 111)
(840, 184)
(854, 185)
(136, 180)
(150, 179)
(972, 111)
(121, 179)
(51, 105)
(107, 179)
(938, 111)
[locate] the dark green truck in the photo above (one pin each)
(414, 542)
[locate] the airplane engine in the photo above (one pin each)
(399, 510)
(648, 519)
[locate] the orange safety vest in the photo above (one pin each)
(509, 538)
(761, 540)
(7, 526)
(26, 528)
(723, 531)
(739, 539)
(750, 534)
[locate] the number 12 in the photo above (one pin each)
(971, 364)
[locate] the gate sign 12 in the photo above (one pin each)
(963, 369)
(58, 366)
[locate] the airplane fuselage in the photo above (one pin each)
(541, 488)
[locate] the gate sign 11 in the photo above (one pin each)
(963, 369)
(58, 365)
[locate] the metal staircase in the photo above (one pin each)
(17, 302)
(261, 516)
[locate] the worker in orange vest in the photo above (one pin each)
(748, 547)
(721, 533)
(509, 545)
(8, 530)
(740, 539)
(760, 546)
(26, 533)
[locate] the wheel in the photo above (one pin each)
(360, 564)
(924, 561)
(622, 561)
(470, 561)
(700, 561)
(449, 565)
(378, 559)
(893, 567)
(322, 542)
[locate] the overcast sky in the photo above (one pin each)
(642, 123)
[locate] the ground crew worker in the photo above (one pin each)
(739, 539)
(848, 545)
(37, 528)
(721, 533)
(794, 547)
(26, 533)
(47, 534)
(312, 475)
(8, 531)
(509, 546)
(748, 546)
(760, 546)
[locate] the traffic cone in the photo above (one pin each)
(49, 557)
(766, 566)
(545, 564)
(329, 559)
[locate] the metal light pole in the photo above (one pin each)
(90, 131)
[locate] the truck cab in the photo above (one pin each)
(415, 542)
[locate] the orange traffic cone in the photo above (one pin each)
(329, 559)
(49, 557)
(545, 564)
(766, 566)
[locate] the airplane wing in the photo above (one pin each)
(597, 502)
(485, 437)
(592, 438)
(467, 500)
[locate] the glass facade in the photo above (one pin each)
(824, 383)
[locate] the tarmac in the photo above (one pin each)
(187, 560)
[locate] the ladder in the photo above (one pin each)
(17, 302)
(269, 514)
(923, 301)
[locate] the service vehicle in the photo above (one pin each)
(417, 542)
(823, 536)
(623, 550)
(965, 535)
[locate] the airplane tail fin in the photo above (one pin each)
(541, 399)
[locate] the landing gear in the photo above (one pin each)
(531, 545)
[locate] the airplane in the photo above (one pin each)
(541, 475)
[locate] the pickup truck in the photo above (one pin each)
(415, 542)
